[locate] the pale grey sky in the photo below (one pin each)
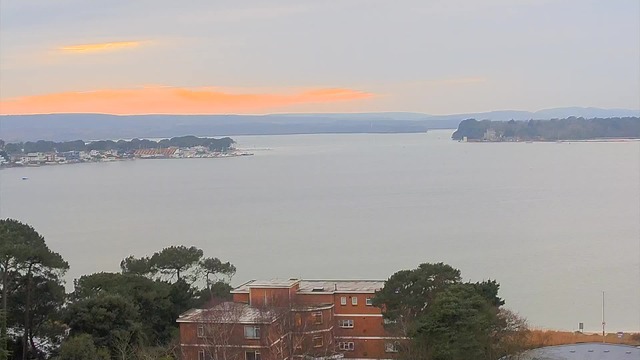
(432, 56)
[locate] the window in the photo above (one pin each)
(354, 300)
(343, 300)
(252, 332)
(391, 347)
(298, 320)
(252, 355)
(348, 324)
(201, 355)
(346, 346)
(369, 301)
(200, 331)
(317, 341)
(317, 318)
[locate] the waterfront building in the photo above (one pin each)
(286, 319)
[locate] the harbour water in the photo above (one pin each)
(554, 223)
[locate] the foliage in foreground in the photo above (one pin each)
(445, 318)
(81, 348)
(127, 315)
(31, 290)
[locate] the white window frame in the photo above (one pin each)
(317, 316)
(369, 301)
(391, 347)
(256, 355)
(354, 300)
(256, 332)
(201, 355)
(347, 346)
(200, 330)
(343, 300)
(313, 341)
(346, 324)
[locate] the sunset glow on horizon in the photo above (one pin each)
(431, 57)
(164, 99)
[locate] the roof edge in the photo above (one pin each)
(345, 280)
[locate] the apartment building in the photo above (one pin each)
(297, 319)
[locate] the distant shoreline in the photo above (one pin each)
(555, 130)
(634, 139)
(44, 153)
(601, 140)
(222, 156)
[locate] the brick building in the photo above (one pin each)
(290, 319)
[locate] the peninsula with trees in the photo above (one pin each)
(43, 152)
(571, 128)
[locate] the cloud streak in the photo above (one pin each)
(100, 47)
(170, 100)
(460, 81)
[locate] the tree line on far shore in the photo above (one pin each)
(221, 144)
(131, 314)
(571, 128)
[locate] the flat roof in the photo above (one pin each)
(228, 313)
(586, 351)
(315, 285)
(340, 286)
(273, 283)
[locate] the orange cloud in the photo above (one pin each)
(168, 100)
(99, 47)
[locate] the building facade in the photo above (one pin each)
(290, 319)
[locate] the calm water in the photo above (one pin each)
(555, 223)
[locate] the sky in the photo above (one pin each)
(277, 56)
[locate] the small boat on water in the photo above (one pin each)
(25, 178)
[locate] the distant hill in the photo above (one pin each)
(64, 127)
(546, 114)
(498, 115)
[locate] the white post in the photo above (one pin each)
(603, 322)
